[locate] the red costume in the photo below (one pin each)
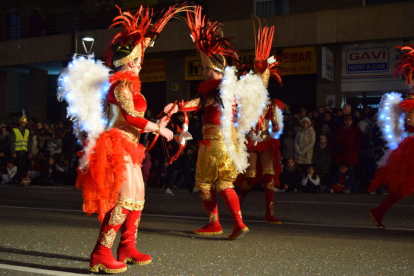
(260, 142)
(215, 169)
(112, 182)
(398, 173)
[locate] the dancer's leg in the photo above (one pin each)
(249, 177)
(377, 214)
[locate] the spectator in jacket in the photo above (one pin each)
(322, 156)
(304, 142)
(290, 177)
(347, 145)
(288, 149)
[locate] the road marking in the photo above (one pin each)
(38, 270)
(203, 218)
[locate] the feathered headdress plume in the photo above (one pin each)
(139, 31)
(209, 40)
(266, 66)
(406, 64)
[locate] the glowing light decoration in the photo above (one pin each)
(276, 135)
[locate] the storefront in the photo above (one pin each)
(153, 83)
(367, 73)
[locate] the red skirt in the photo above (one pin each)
(398, 172)
(101, 183)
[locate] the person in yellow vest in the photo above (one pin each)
(20, 147)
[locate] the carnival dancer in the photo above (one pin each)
(109, 173)
(222, 152)
(263, 143)
(396, 166)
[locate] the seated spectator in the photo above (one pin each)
(51, 174)
(343, 181)
(34, 169)
(9, 177)
(322, 156)
(310, 182)
(290, 177)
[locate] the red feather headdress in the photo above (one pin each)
(138, 32)
(406, 64)
(263, 48)
(209, 40)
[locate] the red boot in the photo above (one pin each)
(101, 256)
(377, 214)
(269, 186)
(248, 183)
(210, 204)
(127, 252)
(232, 202)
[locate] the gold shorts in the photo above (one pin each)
(214, 166)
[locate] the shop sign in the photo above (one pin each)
(327, 64)
(193, 68)
(299, 61)
(153, 70)
(367, 60)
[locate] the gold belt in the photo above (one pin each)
(131, 132)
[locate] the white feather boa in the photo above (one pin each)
(84, 84)
(280, 121)
(391, 122)
(250, 96)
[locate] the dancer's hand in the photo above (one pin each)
(165, 132)
(168, 107)
(163, 122)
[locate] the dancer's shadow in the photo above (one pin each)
(47, 255)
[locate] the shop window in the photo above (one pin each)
(381, 2)
(269, 8)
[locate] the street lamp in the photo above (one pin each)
(87, 40)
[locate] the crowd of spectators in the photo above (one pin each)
(324, 150)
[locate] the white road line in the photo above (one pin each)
(38, 270)
(203, 218)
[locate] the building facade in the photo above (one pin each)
(332, 51)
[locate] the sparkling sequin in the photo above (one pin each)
(250, 173)
(139, 205)
(212, 217)
(117, 217)
(126, 203)
(131, 132)
(107, 239)
(271, 185)
(268, 171)
(123, 94)
(193, 103)
(205, 195)
(271, 208)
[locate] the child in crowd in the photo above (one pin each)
(288, 149)
(11, 172)
(343, 181)
(321, 158)
(311, 182)
(290, 177)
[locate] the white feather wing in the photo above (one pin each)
(83, 85)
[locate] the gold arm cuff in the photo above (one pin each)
(268, 171)
(222, 185)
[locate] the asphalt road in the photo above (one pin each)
(44, 232)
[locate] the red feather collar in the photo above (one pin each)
(127, 76)
(207, 86)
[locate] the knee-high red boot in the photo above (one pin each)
(232, 202)
(248, 183)
(377, 214)
(269, 192)
(127, 252)
(213, 226)
(101, 256)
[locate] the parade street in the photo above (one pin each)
(45, 232)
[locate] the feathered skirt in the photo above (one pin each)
(398, 172)
(108, 171)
